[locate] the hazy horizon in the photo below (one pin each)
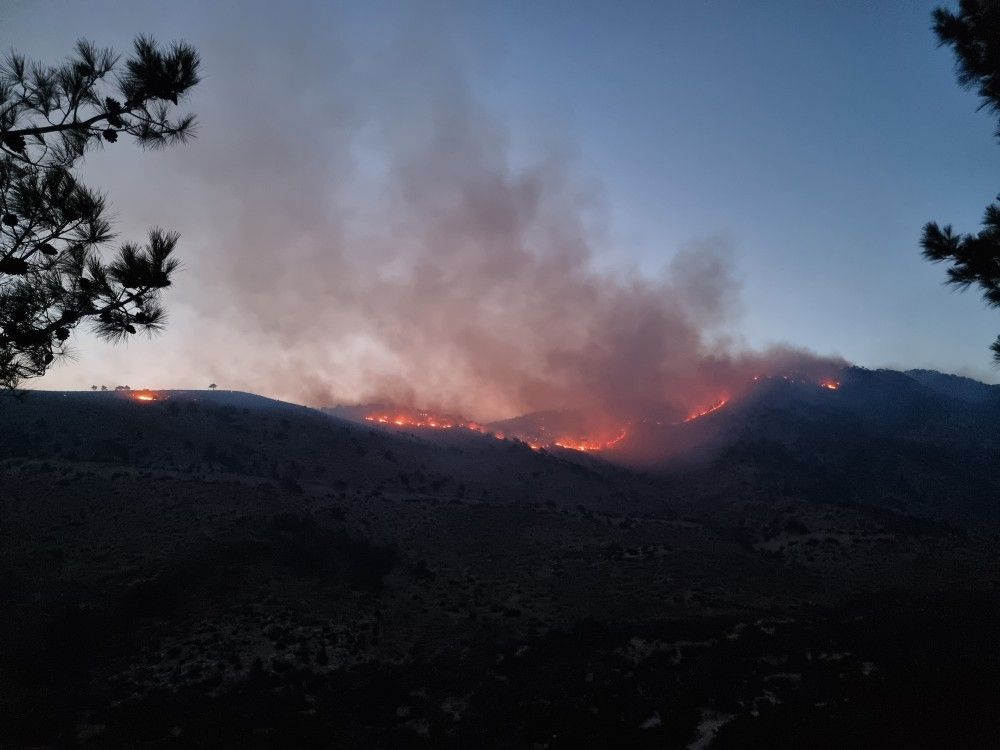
(494, 206)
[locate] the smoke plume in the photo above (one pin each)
(374, 235)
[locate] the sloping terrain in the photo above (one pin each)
(207, 568)
(882, 440)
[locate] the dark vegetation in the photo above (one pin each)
(217, 568)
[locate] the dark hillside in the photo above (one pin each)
(212, 569)
(881, 440)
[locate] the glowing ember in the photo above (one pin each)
(831, 384)
(705, 412)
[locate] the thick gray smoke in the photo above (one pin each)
(365, 231)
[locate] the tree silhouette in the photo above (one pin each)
(212, 387)
(53, 229)
(974, 35)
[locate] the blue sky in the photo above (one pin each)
(814, 138)
(819, 137)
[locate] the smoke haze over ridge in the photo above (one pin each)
(374, 235)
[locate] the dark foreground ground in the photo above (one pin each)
(218, 569)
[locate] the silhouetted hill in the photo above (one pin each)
(919, 444)
(883, 439)
(248, 435)
(218, 568)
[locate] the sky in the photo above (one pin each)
(789, 152)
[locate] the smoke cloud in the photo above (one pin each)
(370, 233)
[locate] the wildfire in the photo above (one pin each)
(537, 437)
(590, 446)
(704, 412)
(145, 395)
(423, 419)
(831, 384)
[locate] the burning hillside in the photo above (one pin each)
(399, 417)
(144, 395)
(538, 437)
(590, 445)
(704, 412)
(576, 430)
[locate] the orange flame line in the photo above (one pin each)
(400, 420)
(704, 412)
